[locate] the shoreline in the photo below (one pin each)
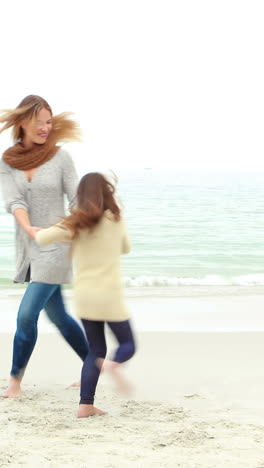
(220, 313)
(159, 291)
(176, 363)
(216, 363)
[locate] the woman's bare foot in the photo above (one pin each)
(123, 385)
(13, 389)
(85, 411)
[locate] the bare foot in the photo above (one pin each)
(13, 389)
(100, 364)
(123, 385)
(76, 384)
(85, 411)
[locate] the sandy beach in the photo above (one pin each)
(165, 100)
(197, 402)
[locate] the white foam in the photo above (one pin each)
(209, 280)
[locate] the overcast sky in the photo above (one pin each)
(153, 83)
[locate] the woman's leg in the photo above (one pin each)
(67, 326)
(33, 301)
(90, 372)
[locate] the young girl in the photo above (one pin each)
(98, 237)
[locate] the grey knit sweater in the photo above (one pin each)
(43, 198)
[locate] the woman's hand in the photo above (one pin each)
(32, 231)
(22, 218)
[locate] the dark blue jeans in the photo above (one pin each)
(40, 296)
(97, 349)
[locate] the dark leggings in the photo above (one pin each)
(97, 349)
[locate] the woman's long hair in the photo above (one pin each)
(95, 194)
(63, 128)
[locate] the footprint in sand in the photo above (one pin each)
(193, 395)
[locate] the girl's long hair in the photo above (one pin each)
(63, 128)
(95, 194)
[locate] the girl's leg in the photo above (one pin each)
(90, 372)
(125, 350)
(67, 326)
(125, 338)
(33, 301)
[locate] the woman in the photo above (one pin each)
(35, 174)
(98, 237)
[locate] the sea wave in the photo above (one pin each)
(145, 281)
(209, 280)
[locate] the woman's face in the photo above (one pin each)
(37, 129)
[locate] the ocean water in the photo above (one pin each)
(187, 229)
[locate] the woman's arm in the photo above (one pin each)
(14, 201)
(22, 218)
(11, 195)
(70, 179)
(53, 234)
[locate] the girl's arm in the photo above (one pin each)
(126, 244)
(53, 234)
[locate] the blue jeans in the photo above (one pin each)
(40, 296)
(97, 349)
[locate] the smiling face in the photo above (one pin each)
(37, 129)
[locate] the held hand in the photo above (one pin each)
(32, 231)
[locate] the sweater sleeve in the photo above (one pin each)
(12, 197)
(69, 179)
(53, 234)
(126, 244)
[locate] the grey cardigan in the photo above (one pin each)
(43, 199)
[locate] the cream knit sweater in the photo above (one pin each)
(98, 291)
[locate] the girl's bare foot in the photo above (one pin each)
(100, 364)
(13, 389)
(114, 368)
(85, 411)
(76, 384)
